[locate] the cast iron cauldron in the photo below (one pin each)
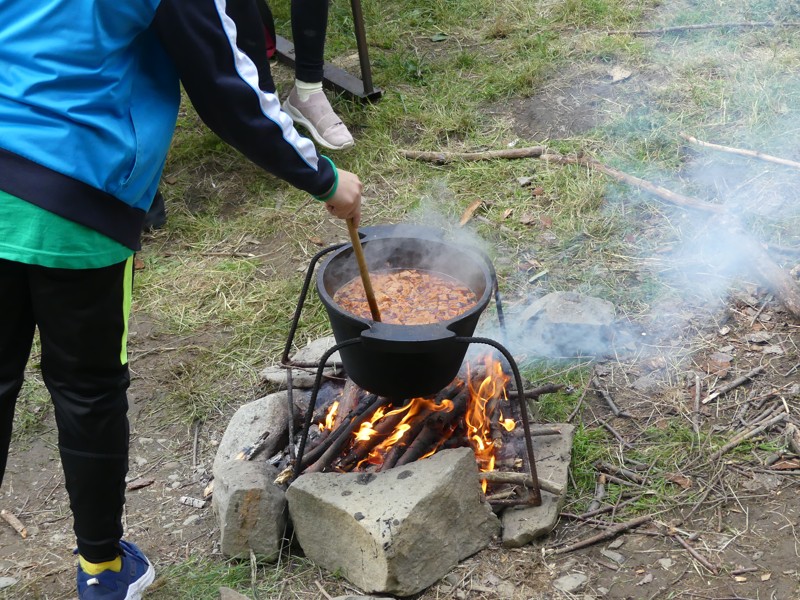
(404, 361)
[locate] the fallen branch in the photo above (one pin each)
(742, 152)
(681, 28)
(609, 533)
(599, 492)
(656, 190)
(12, 520)
(695, 554)
(446, 157)
(738, 439)
(734, 384)
(605, 395)
(610, 469)
(771, 275)
(547, 388)
(521, 479)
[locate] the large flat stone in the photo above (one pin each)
(522, 525)
(395, 532)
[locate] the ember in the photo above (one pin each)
(408, 297)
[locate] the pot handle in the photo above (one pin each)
(384, 337)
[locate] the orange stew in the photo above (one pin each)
(408, 297)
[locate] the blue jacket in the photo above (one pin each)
(89, 93)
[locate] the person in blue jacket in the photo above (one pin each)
(89, 94)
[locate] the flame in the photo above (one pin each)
(480, 407)
(329, 417)
(409, 413)
(482, 424)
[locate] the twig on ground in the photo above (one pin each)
(681, 28)
(696, 407)
(695, 554)
(583, 395)
(610, 469)
(605, 509)
(605, 395)
(734, 384)
(599, 492)
(520, 479)
(609, 533)
(322, 590)
(742, 152)
(12, 520)
(616, 434)
(548, 388)
(738, 439)
(760, 310)
(446, 157)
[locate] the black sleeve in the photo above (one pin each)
(219, 50)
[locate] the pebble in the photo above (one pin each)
(571, 583)
(6, 582)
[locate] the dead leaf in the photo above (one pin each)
(619, 74)
(527, 219)
(740, 579)
(766, 576)
(538, 191)
(170, 179)
(719, 363)
(646, 579)
(474, 205)
(680, 480)
(546, 222)
(507, 213)
(786, 465)
(758, 337)
(524, 181)
(138, 263)
(316, 241)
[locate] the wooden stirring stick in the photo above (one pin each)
(362, 267)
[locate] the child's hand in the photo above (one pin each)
(346, 202)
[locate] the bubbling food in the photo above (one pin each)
(408, 297)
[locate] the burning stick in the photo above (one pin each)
(749, 153)
(12, 520)
(734, 384)
(347, 430)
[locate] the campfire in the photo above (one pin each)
(353, 430)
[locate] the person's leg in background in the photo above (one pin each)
(307, 103)
(82, 316)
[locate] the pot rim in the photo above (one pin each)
(479, 306)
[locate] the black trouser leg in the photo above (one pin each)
(16, 337)
(82, 317)
(309, 26)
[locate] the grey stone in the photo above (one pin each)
(614, 556)
(304, 378)
(398, 531)
(270, 413)
(553, 454)
(569, 324)
(226, 593)
(250, 509)
(7, 582)
(574, 582)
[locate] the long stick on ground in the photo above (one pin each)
(734, 384)
(738, 439)
(609, 533)
(679, 28)
(446, 157)
(742, 152)
(771, 275)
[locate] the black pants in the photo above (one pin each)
(82, 318)
(309, 26)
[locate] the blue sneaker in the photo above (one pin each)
(137, 574)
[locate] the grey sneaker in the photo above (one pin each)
(317, 116)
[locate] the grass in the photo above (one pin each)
(221, 281)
